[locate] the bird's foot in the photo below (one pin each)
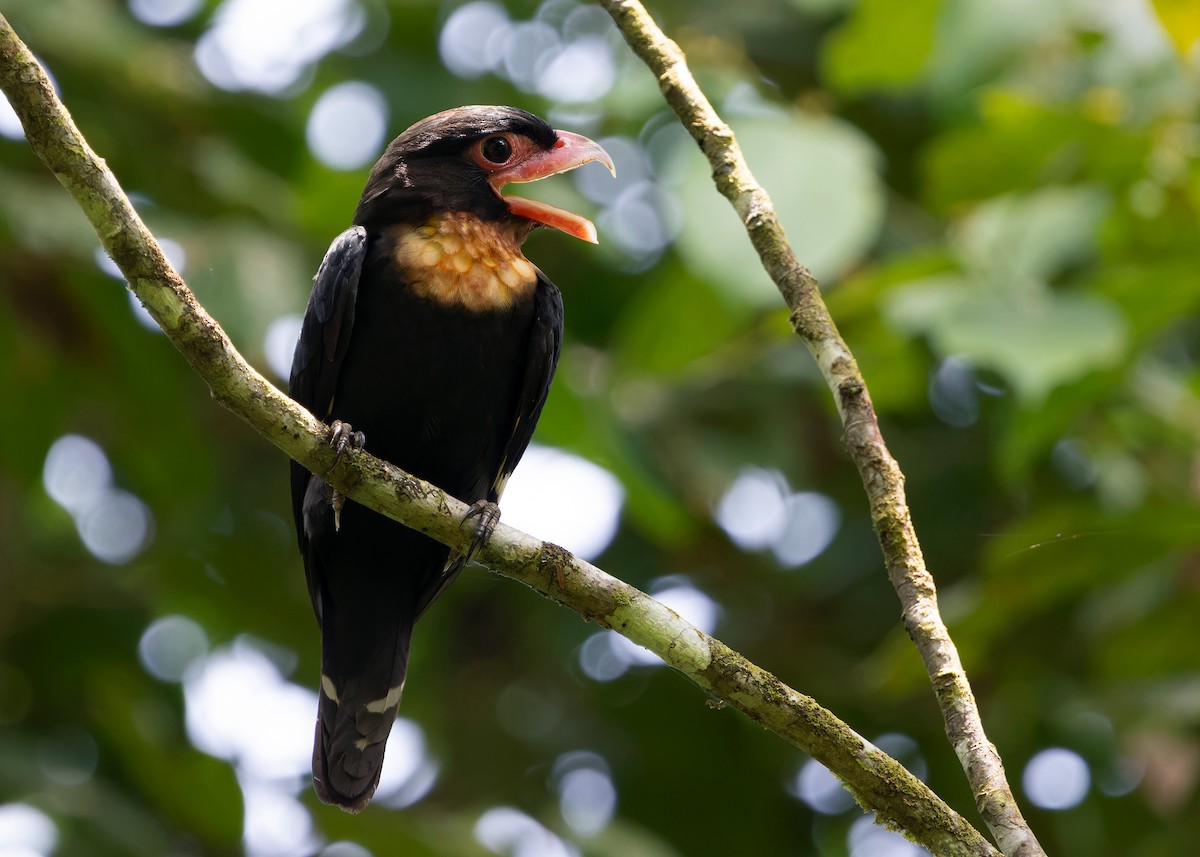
(342, 436)
(488, 514)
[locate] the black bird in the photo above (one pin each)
(429, 330)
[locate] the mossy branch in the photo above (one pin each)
(881, 475)
(880, 783)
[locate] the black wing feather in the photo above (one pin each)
(324, 336)
(545, 344)
(328, 321)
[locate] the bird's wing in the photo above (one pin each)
(324, 336)
(545, 343)
(327, 323)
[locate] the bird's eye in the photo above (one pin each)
(496, 149)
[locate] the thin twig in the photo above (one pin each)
(880, 783)
(881, 475)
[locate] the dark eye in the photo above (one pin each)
(496, 149)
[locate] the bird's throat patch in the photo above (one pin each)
(459, 260)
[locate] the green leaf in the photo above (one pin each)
(1035, 344)
(1022, 144)
(877, 49)
(1033, 236)
(701, 318)
(822, 175)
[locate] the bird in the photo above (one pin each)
(431, 339)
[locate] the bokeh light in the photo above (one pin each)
(164, 13)
(564, 53)
(267, 45)
(277, 824)
(529, 47)
(642, 221)
(759, 511)
(76, 473)
(344, 848)
(641, 216)
(1126, 774)
(868, 839)
(26, 831)
(812, 522)
(170, 645)
(115, 528)
(820, 789)
(753, 510)
(409, 771)
(599, 659)
(279, 343)
(1056, 778)
(239, 707)
(598, 184)
(564, 499)
(114, 525)
(581, 70)
(587, 800)
(347, 125)
(466, 35)
(10, 125)
(587, 797)
(509, 832)
(175, 253)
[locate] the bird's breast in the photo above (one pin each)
(459, 260)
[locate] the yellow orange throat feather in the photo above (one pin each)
(459, 260)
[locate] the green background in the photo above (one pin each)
(1002, 201)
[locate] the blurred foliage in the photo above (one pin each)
(1002, 200)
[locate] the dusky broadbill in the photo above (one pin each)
(430, 332)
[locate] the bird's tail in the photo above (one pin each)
(355, 714)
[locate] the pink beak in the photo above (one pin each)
(571, 151)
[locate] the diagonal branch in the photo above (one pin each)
(880, 783)
(881, 475)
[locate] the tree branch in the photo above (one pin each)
(879, 783)
(881, 475)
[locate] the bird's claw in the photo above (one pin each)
(342, 436)
(488, 514)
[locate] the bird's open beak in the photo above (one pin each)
(571, 151)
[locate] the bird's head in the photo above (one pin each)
(459, 160)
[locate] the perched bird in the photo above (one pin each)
(430, 331)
